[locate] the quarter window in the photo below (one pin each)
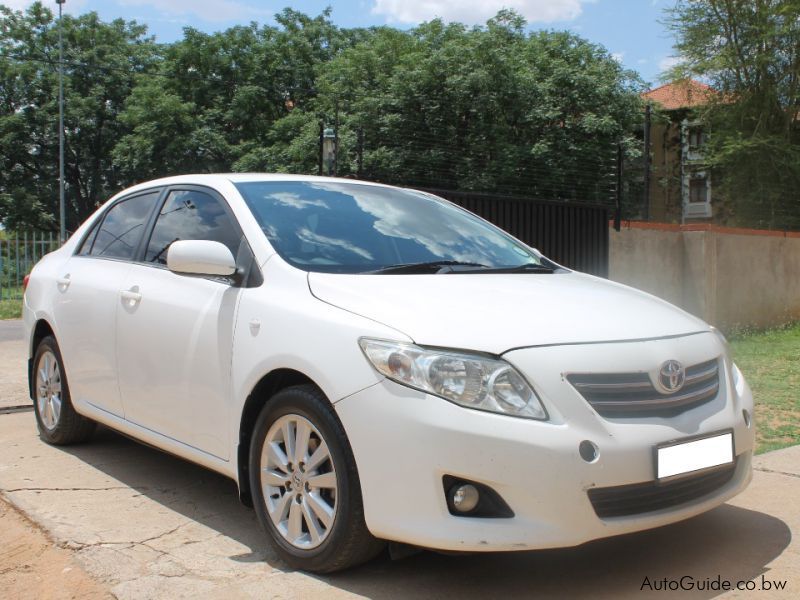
(86, 246)
(122, 227)
(191, 215)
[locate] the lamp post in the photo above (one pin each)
(61, 210)
(328, 149)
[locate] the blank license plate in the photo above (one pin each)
(696, 455)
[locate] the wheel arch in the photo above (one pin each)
(267, 386)
(40, 330)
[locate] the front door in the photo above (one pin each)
(175, 332)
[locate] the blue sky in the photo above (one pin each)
(627, 28)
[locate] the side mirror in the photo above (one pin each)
(200, 257)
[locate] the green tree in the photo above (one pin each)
(488, 108)
(218, 100)
(101, 62)
(750, 52)
(491, 108)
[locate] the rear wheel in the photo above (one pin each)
(58, 422)
(305, 485)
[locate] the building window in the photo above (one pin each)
(696, 138)
(698, 190)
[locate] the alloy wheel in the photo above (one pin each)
(48, 389)
(298, 481)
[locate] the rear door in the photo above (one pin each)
(89, 287)
(175, 334)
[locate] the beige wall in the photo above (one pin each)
(729, 278)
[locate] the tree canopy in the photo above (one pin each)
(494, 108)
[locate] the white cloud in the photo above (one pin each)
(442, 239)
(666, 63)
(295, 201)
(477, 11)
(213, 11)
(618, 56)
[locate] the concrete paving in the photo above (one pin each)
(10, 330)
(13, 365)
(149, 525)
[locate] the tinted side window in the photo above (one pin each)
(122, 227)
(191, 215)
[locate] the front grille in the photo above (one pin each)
(638, 498)
(633, 394)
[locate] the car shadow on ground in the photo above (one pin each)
(728, 543)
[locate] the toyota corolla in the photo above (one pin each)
(376, 364)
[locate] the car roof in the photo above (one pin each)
(215, 179)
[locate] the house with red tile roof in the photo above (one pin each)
(688, 93)
(680, 187)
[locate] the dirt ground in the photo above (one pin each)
(32, 566)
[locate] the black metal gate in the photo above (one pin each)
(574, 235)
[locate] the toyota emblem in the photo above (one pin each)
(671, 377)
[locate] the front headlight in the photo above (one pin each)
(469, 380)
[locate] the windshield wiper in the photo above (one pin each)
(523, 268)
(434, 266)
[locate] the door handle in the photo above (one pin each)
(132, 297)
(63, 282)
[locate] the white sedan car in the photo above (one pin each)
(375, 364)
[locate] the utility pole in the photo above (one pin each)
(61, 208)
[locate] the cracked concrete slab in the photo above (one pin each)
(149, 525)
(142, 522)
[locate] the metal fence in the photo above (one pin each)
(18, 253)
(574, 235)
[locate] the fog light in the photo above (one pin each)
(465, 498)
(470, 499)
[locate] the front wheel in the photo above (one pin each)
(305, 485)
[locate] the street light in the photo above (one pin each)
(328, 149)
(61, 210)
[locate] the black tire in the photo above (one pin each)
(69, 427)
(348, 542)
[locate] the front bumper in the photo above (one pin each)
(405, 441)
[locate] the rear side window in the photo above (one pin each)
(191, 215)
(122, 227)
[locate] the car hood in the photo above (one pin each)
(497, 312)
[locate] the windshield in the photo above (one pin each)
(357, 228)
